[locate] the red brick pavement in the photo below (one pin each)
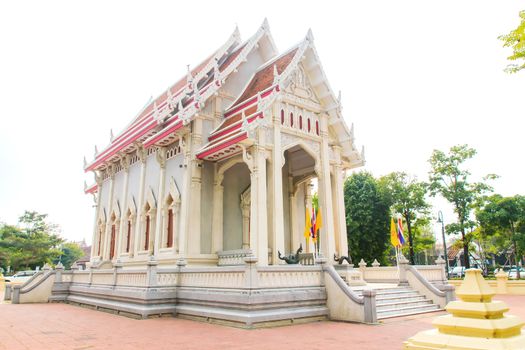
(61, 326)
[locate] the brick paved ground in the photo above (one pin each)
(61, 326)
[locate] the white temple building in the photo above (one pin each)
(220, 166)
(199, 195)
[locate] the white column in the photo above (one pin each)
(295, 238)
(339, 209)
(325, 194)
(141, 153)
(94, 242)
(277, 186)
(217, 215)
(185, 199)
(123, 215)
(194, 237)
(161, 159)
(307, 206)
(107, 235)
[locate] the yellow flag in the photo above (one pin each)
(307, 224)
(318, 220)
(393, 233)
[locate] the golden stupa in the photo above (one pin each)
(476, 322)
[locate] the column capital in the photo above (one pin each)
(160, 156)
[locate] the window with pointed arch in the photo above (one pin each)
(129, 229)
(282, 116)
(148, 226)
(171, 209)
(113, 235)
(291, 119)
(300, 122)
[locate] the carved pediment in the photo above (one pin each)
(300, 86)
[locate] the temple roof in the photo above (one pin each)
(157, 122)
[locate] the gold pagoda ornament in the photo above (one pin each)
(475, 322)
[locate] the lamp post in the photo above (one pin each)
(445, 256)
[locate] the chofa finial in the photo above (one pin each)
(96, 150)
(85, 162)
(310, 35)
(111, 137)
(265, 24)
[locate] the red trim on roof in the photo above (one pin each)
(222, 146)
(176, 125)
(91, 189)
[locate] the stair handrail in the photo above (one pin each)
(425, 282)
(28, 288)
(341, 284)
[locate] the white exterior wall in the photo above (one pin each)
(236, 180)
(134, 183)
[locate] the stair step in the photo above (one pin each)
(402, 304)
(405, 311)
(394, 299)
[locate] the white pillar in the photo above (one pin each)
(194, 237)
(185, 199)
(295, 237)
(123, 215)
(258, 211)
(277, 186)
(339, 210)
(107, 235)
(141, 153)
(217, 215)
(161, 159)
(94, 243)
(325, 194)
(307, 206)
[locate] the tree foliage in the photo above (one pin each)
(71, 252)
(516, 40)
(367, 218)
(449, 179)
(29, 246)
(504, 217)
(407, 196)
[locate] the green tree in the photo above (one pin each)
(505, 216)
(516, 40)
(407, 196)
(367, 218)
(450, 180)
(71, 252)
(33, 245)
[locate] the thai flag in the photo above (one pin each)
(312, 228)
(400, 232)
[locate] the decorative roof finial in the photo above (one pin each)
(216, 70)
(339, 97)
(189, 76)
(275, 74)
(363, 153)
(85, 162)
(352, 131)
(237, 34)
(310, 35)
(96, 150)
(179, 107)
(265, 25)
(111, 137)
(85, 185)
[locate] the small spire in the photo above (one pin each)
(189, 76)
(265, 24)
(236, 33)
(111, 137)
(310, 35)
(339, 97)
(85, 185)
(363, 152)
(85, 162)
(276, 77)
(96, 150)
(179, 107)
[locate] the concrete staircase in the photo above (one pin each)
(395, 301)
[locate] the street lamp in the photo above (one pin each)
(445, 256)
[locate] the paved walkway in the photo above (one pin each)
(62, 326)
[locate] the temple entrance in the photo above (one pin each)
(297, 175)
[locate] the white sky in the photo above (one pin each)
(414, 75)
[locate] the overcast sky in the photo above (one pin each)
(414, 75)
